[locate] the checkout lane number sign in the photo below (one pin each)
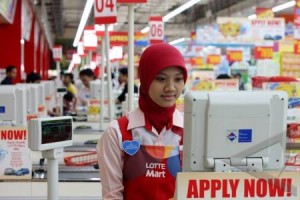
(105, 11)
(156, 32)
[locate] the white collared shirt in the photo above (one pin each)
(110, 153)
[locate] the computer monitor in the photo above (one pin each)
(50, 133)
(13, 106)
(234, 131)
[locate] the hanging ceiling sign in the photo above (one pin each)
(89, 39)
(57, 53)
(234, 54)
(213, 59)
(156, 32)
(119, 38)
(263, 52)
(131, 1)
(297, 47)
(105, 11)
(268, 29)
(264, 13)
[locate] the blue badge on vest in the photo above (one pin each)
(131, 147)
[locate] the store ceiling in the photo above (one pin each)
(64, 15)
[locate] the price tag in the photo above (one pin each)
(213, 59)
(263, 52)
(57, 53)
(156, 32)
(105, 11)
(297, 47)
(234, 56)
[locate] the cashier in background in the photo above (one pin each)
(33, 78)
(86, 76)
(123, 79)
(11, 74)
(68, 82)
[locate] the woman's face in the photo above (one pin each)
(167, 86)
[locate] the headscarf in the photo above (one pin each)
(154, 59)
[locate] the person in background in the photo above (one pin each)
(123, 79)
(33, 77)
(69, 103)
(86, 76)
(223, 76)
(11, 74)
(149, 135)
(68, 82)
(241, 83)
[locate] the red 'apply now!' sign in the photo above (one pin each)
(257, 185)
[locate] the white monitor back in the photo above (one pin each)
(96, 89)
(50, 93)
(234, 126)
(13, 106)
(34, 92)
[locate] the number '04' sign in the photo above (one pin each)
(105, 11)
(156, 32)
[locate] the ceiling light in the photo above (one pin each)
(145, 30)
(252, 16)
(175, 12)
(86, 12)
(179, 40)
(284, 6)
(180, 9)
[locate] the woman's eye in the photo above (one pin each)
(160, 78)
(179, 79)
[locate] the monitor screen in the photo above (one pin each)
(234, 131)
(50, 133)
(56, 130)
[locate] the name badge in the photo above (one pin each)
(131, 147)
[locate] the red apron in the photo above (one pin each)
(149, 173)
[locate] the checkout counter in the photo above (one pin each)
(71, 178)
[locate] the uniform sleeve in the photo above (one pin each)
(110, 164)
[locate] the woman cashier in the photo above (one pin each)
(139, 153)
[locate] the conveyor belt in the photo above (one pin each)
(75, 174)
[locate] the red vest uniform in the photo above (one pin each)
(150, 172)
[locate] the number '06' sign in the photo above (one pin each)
(156, 32)
(105, 11)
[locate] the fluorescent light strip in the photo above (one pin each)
(252, 16)
(145, 30)
(277, 8)
(86, 12)
(180, 9)
(283, 6)
(175, 12)
(179, 40)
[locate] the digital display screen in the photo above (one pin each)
(61, 90)
(56, 131)
(2, 109)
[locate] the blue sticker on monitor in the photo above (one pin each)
(231, 137)
(245, 135)
(2, 109)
